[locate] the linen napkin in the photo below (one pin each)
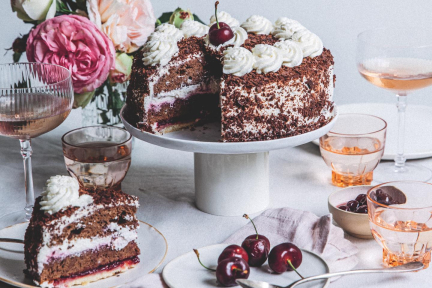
(307, 231)
(303, 228)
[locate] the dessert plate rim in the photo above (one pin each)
(167, 271)
(127, 280)
(170, 141)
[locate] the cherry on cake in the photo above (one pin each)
(76, 236)
(268, 81)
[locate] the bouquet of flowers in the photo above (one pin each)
(95, 39)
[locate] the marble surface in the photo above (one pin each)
(163, 180)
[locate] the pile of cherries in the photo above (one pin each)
(235, 261)
(359, 205)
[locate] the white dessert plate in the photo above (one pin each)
(207, 138)
(418, 127)
(151, 242)
(185, 271)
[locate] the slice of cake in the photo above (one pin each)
(76, 237)
(268, 81)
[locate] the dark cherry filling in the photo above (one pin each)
(108, 267)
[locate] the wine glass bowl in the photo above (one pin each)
(35, 98)
(398, 60)
(400, 221)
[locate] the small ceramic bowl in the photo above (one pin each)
(355, 224)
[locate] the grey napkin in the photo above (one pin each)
(304, 229)
(307, 231)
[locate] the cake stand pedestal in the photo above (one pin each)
(230, 178)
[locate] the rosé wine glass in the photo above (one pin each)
(399, 60)
(35, 98)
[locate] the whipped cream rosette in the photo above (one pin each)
(61, 192)
(193, 28)
(310, 43)
(237, 61)
(258, 25)
(292, 53)
(267, 58)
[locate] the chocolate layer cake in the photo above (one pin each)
(269, 81)
(79, 239)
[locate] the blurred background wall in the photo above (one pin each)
(337, 22)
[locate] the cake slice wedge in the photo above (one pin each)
(76, 236)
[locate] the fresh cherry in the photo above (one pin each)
(257, 247)
(352, 205)
(362, 209)
(361, 198)
(383, 197)
(285, 257)
(344, 208)
(219, 33)
(231, 269)
(221, 25)
(233, 251)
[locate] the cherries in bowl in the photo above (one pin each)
(352, 217)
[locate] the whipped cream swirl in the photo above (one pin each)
(193, 28)
(226, 18)
(61, 192)
(310, 43)
(240, 36)
(267, 58)
(170, 30)
(258, 25)
(237, 61)
(286, 28)
(292, 53)
(159, 49)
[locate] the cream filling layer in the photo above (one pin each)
(118, 240)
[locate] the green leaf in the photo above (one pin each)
(164, 18)
(16, 56)
(196, 18)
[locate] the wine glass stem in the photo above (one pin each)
(400, 158)
(26, 152)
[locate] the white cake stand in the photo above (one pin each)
(230, 178)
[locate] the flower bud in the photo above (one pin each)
(34, 10)
(179, 16)
(123, 68)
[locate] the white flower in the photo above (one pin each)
(34, 10)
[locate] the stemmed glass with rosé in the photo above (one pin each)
(399, 60)
(35, 98)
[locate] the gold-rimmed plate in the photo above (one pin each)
(151, 242)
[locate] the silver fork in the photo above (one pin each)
(409, 267)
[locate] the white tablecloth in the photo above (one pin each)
(163, 180)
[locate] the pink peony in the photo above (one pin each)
(76, 43)
(127, 23)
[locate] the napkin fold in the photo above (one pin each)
(303, 228)
(307, 231)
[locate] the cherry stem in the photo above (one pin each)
(217, 21)
(199, 260)
(295, 270)
(256, 231)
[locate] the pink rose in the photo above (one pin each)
(123, 68)
(127, 23)
(76, 43)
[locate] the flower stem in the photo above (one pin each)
(199, 260)
(256, 231)
(295, 270)
(217, 21)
